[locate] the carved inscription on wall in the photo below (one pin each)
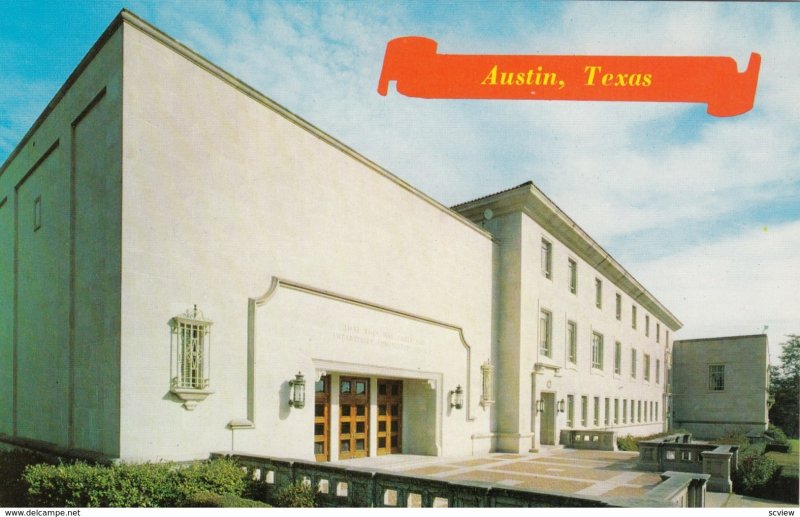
(371, 336)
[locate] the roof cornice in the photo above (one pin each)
(528, 199)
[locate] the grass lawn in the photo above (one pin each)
(789, 461)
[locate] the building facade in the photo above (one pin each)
(188, 267)
(721, 385)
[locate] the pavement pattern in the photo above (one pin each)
(566, 471)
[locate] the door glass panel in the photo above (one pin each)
(382, 389)
(319, 409)
(361, 387)
(360, 444)
(319, 429)
(345, 427)
(319, 386)
(345, 446)
(319, 448)
(382, 410)
(382, 442)
(382, 426)
(345, 410)
(361, 410)
(359, 427)
(345, 386)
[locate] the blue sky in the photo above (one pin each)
(704, 211)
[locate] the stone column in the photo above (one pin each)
(717, 463)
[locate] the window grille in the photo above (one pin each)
(646, 367)
(192, 346)
(597, 411)
(658, 371)
(633, 316)
(633, 363)
(716, 377)
(618, 309)
(617, 357)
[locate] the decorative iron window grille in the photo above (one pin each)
(191, 350)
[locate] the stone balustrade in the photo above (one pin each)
(340, 486)
(589, 439)
(677, 453)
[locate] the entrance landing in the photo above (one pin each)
(566, 471)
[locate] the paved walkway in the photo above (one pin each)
(567, 471)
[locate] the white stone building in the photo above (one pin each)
(177, 250)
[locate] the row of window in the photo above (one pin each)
(547, 271)
(598, 355)
(625, 411)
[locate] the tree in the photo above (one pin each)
(785, 388)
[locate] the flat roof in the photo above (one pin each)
(528, 199)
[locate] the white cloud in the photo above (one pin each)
(734, 286)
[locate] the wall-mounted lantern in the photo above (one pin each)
(561, 405)
(540, 405)
(457, 398)
(297, 391)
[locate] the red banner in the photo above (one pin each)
(420, 72)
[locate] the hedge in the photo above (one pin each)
(146, 485)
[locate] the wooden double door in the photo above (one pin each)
(354, 417)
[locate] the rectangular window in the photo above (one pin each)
(716, 377)
(618, 309)
(624, 411)
(666, 338)
(547, 259)
(570, 411)
(658, 417)
(573, 276)
(597, 411)
(545, 333)
(617, 357)
(633, 316)
(572, 342)
(584, 411)
(647, 325)
(597, 350)
(616, 411)
(658, 371)
(598, 293)
(639, 411)
(646, 367)
(633, 363)
(607, 414)
(658, 332)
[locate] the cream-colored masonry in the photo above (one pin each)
(222, 194)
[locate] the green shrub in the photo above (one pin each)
(122, 486)
(631, 443)
(298, 495)
(12, 464)
(754, 474)
(221, 476)
(777, 434)
(212, 500)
